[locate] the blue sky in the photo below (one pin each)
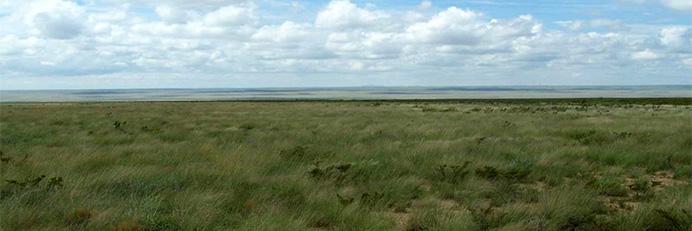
(90, 44)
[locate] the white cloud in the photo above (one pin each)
(425, 4)
(677, 38)
(230, 16)
(455, 26)
(58, 26)
(220, 38)
(450, 26)
(685, 5)
(593, 24)
(681, 5)
(645, 55)
(172, 15)
(54, 18)
(343, 14)
(286, 32)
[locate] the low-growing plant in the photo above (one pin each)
(336, 173)
(432, 109)
(118, 124)
(79, 216)
(28, 182)
(668, 219)
(609, 186)
(297, 152)
(452, 173)
(247, 126)
(515, 173)
(4, 159)
(589, 137)
(344, 200)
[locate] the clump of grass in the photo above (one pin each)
(610, 186)
(438, 219)
(663, 219)
(150, 129)
(118, 124)
(128, 225)
(515, 173)
(295, 153)
(28, 182)
(396, 168)
(433, 109)
(337, 173)
(589, 137)
(452, 173)
(247, 126)
(621, 135)
(4, 159)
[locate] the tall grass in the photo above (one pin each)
(477, 165)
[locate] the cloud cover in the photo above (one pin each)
(238, 43)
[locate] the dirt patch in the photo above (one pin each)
(664, 179)
(537, 185)
(659, 181)
(401, 219)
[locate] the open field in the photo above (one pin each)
(366, 165)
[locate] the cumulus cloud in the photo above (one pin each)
(286, 32)
(613, 25)
(224, 37)
(343, 14)
(54, 18)
(645, 55)
(680, 5)
(684, 5)
(457, 30)
(230, 16)
(170, 14)
(677, 38)
(58, 26)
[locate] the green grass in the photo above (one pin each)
(604, 164)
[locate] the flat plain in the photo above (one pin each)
(576, 164)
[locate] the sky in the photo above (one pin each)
(109, 44)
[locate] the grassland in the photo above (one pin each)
(399, 165)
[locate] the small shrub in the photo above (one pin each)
(371, 198)
(432, 109)
(298, 152)
(117, 124)
(488, 172)
(79, 216)
(29, 182)
(452, 173)
(150, 129)
(55, 183)
(589, 137)
(584, 222)
(621, 135)
(247, 126)
(335, 172)
(519, 171)
(344, 200)
(4, 159)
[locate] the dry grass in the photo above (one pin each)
(509, 165)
